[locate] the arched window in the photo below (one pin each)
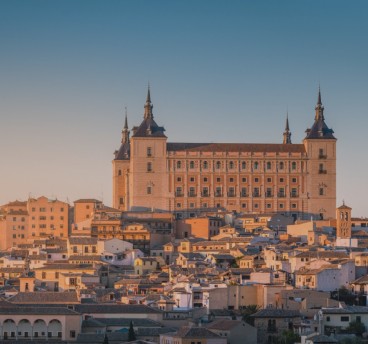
(178, 164)
(293, 166)
(281, 165)
(269, 165)
(218, 164)
(231, 165)
(256, 165)
(205, 165)
(191, 164)
(244, 165)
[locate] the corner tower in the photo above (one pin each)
(320, 145)
(148, 184)
(120, 170)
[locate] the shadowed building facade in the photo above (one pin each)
(184, 178)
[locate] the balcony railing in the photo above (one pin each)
(294, 194)
(192, 194)
(231, 194)
(322, 156)
(218, 194)
(205, 194)
(281, 194)
(256, 194)
(244, 194)
(179, 194)
(269, 194)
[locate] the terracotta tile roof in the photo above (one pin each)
(223, 324)
(45, 297)
(236, 147)
(195, 332)
(276, 313)
(115, 308)
(82, 241)
(87, 200)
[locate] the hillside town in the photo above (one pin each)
(204, 244)
(89, 273)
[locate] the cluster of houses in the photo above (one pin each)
(147, 277)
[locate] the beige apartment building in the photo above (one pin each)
(288, 178)
(13, 224)
(36, 217)
(47, 217)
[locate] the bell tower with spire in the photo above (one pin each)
(148, 183)
(320, 146)
(120, 168)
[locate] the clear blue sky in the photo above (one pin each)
(222, 71)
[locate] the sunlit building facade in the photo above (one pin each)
(186, 178)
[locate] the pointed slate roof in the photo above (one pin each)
(148, 128)
(319, 129)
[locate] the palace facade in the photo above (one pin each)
(185, 178)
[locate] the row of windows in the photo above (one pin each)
(86, 249)
(44, 218)
(233, 164)
(192, 179)
(43, 209)
(52, 226)
(231, 192)
(243, 205)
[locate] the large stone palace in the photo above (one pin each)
(184, 178)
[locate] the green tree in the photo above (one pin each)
(356, 328)
(131, 333)
(247, 311)
(288, 337)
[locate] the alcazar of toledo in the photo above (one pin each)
(287, 178)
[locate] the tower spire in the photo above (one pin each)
(287, 133)
(126, 118)
(319, 107)
(148, 106)
(319, 101)
(125, 131)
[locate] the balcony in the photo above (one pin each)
(294, 194)
(281, 194)
(231, 194)
(218, 194)
(269, 194)
(192, 194)
(244, 194)
(205, 194)
(179, 194)
(322, 156)
(322, 172)
(256, 194)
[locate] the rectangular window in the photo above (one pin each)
(149, 190)
(345, 319)
(149, 151)
(149, 166)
